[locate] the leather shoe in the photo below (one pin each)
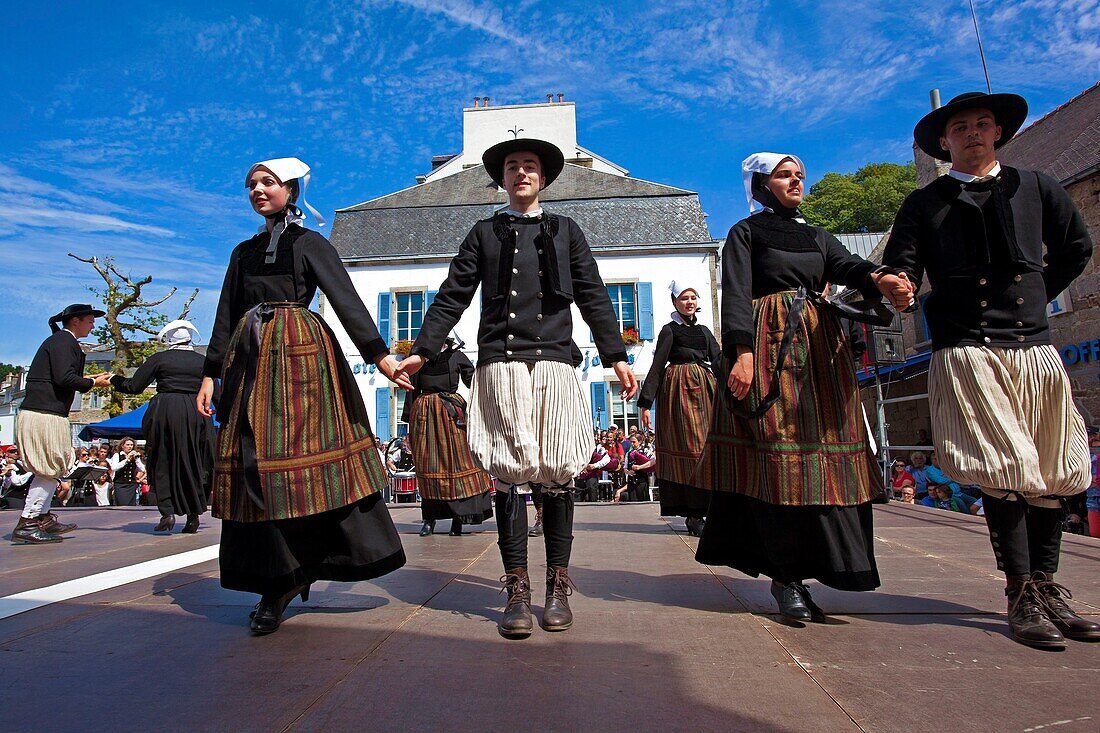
(167, 521)
(516, 621)
(816, 614)
(428, 528)
(1027, 623)
(695, 526)
(456, 528)
(48, 523)
(556, 615)
(790, 600)
(192, 526)
(536, 529)
(29, 532)
(1051, 597)
(267, 616)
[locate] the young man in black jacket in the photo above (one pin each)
(42, 425)
(998, 244)
(528, 420)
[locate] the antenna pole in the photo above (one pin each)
(981, 51)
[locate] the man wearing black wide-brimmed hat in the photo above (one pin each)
(42, 425)
(528, 420)
(998, 244)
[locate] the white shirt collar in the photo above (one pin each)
(70, 333)
(968, 178)
(770, 210)
(529, 215)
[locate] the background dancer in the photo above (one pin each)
(793, 482)
(451, 485)
(42, 425)
(528, 417)
(684, 391)
(998, 244)
(179, 442)
(297, 480)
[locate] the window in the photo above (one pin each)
(410, 314)
(624, 413)
(625, 303)
(402, 428)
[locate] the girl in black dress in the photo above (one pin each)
(684, 392)
(787, 456)
(179, 442)
(297, 480)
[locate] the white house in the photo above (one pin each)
(397, 249)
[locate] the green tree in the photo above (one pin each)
(6, 369)
(864, 201)
(129, 323)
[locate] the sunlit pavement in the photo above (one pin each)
(660, 642)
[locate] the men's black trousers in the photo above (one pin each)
(557, 525)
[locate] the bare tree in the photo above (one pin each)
(129, 315)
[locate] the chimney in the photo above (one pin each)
(934, 96)
(486, 102)
(561, 97)
(549, 98)
(477, 101)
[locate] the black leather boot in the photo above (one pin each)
(1027, 623)
(428, 528)
(167, 521)
(556, 615)
(536, 529)
(456, 528)
(1051, 597)
(48, 523)
(516, 621)
(30, 532)
(790, 600)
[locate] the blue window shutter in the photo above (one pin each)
(599, 405)
(382, 413)
(384, 302)
(645, 311)
(429, 298)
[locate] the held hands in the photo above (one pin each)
(399, 372)
(647, 420)
(205, 397)
(740, 378)
(626, 379)
(898, 289)
(103, 379)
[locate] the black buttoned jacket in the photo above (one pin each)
(990, 288)
(56, 375)
(530, 270)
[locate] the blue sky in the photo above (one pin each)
(128, 126)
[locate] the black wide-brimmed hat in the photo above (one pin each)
(1009, 110)
(77, 310)
(550, 154)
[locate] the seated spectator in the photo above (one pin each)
(918, 466)
(616, 466)
(977, 509)
(1092, 494)
(942, 497)
(909, 495)
(587, 482)
(900, 477)
(639, 468)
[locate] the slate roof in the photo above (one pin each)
(1065, 143)
(432, 218)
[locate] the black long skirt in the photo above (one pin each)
(471, 510)
(180, 450)
(832, 544)
(681, 500)
(352, 543)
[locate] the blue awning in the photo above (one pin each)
(128, 424)
(866, 376)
